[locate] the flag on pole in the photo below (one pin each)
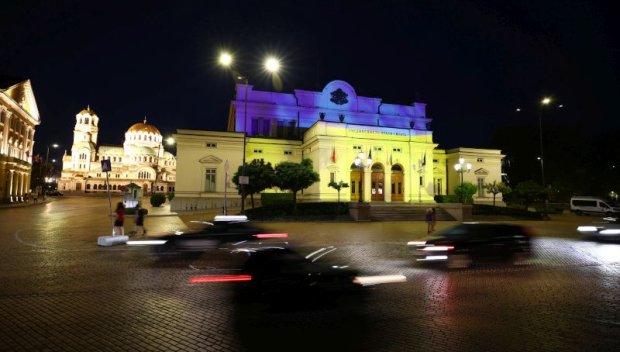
(370, 154)
(390, 161)
(334, 155)
(424, 160)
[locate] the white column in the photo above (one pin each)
(10, 193)
(387, 179)
(5, 132)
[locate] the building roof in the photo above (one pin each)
(144, 127)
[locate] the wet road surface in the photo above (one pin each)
(62, 292)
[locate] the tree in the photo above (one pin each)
(261, 177)
(528, 192)
(295, 177)
(466, 192)
(497, 187)
(338, 186)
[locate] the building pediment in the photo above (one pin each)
(210, 159)
(481, 172)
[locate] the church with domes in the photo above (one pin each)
(141, 159)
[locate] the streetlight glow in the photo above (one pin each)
(170, 141)
(546, 101)
(225, 59)
(272, 64)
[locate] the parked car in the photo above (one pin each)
(468, 243)
(55, 193)
(581, 205)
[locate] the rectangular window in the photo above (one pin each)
(258, 151)
(397, 150)
(357, 147)
(210, 180)
(332, 177)
(288, 152)
(211, 145)
(377, 149)
(480, 160)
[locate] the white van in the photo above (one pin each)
(592, 205)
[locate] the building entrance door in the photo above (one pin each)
(356, 185)
(397, 183)
(377, 185)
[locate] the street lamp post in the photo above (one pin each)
(361, 161)
(461, 168)
(544, 102)
(47, 156)
(272, 65)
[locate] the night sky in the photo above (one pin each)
(472, 62)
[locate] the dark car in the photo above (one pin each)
(608, 229)
(294, 277)
(224, 231)
(55, 193)
(462, 245)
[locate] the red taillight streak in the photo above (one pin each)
(271, 235)
(218, 278)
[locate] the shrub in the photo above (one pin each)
(305, 211)
(170, 196)
(158, 199)
(483, 209)
(447, 199)
(276, 198)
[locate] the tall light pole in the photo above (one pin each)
(361, 161)
(461, 168)
(544, 102)
(47, 156)
(271, 65)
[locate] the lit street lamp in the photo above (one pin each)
(47, 156)
(272, 65)
(544, 102)
(361, 162)
(461, 168)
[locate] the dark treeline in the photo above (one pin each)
(577, 161)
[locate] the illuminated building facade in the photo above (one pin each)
(141, 160)
(19, 116)
(330, 127)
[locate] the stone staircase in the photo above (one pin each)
(405, 212)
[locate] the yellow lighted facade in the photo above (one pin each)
(331, 128)
(19, 117)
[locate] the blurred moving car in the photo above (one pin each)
(462, 245)
(224, 231)
(55, 193)
(294, 277)
(607, 229)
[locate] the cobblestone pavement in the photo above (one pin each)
(61, 292)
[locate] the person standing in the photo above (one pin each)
(433, 219)
(119, 221)
(140, 213)
(429, 220)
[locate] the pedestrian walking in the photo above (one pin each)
(119, 220)
(139, 225)
(429, 220)
(433, 219)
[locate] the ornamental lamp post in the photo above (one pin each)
(461, 168)
(361, 161)
(271, 65)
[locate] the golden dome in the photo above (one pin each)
(144, 127)
(88, 111)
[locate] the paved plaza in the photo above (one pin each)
(62, 292)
